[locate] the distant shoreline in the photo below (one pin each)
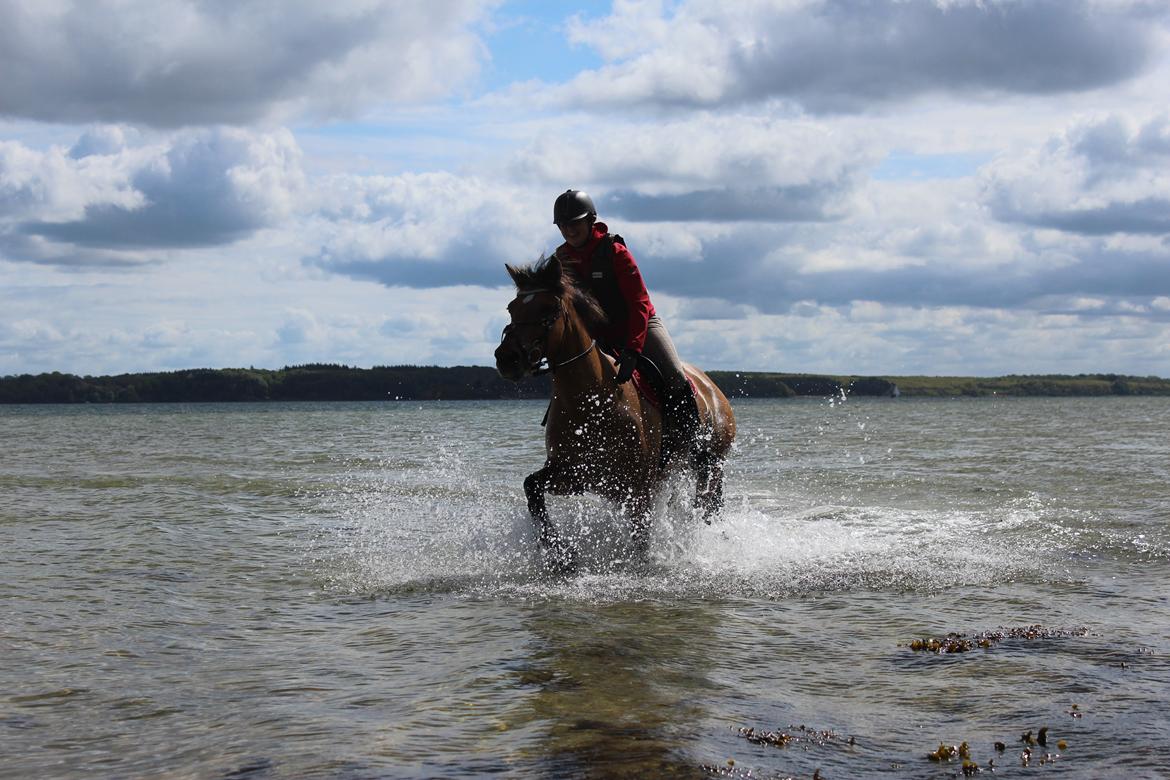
(325, 382)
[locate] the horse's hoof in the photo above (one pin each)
(560, 564)
(640, 539)
(559, 558)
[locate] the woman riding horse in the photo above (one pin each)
(604, 266)
(602, 436)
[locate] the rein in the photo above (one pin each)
(551, 368)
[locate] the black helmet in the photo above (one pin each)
(571, 206)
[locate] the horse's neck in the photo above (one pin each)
(583, 369)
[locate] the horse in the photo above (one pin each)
(601, 437)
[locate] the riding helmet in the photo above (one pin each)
(571, 206)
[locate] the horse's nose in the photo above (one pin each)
(508, 362)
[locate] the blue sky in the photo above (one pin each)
(910, 187)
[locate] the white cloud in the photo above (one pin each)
(299, 327)
(836, 55)
(106, 203)
(54, 185)
(774, 232)
(685, 170)
(958, 341)
(1099, 177)
(428, 230)
(681, 155)
(168, 63)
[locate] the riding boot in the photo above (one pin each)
(689, 425)
(680, 427)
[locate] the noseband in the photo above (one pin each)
(538, 362)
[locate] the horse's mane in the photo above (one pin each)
(547, 273)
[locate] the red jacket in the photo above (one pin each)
(639, 310)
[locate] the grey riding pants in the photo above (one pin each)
(660, 348)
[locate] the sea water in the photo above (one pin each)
(356, 591)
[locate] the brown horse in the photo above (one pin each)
(601, 436)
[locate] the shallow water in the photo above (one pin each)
(354, 591)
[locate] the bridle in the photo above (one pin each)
(538, 363)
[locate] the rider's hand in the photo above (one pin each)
(626, 364)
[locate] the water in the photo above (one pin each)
(354, 591)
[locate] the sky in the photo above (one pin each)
(897, 187)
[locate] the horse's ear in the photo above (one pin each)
(513, 272)
(555, 269)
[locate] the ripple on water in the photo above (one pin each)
(166, 621)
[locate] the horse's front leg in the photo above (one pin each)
(709, 485)
(536, 485)
(638, 508)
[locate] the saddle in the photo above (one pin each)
(680, 424)
(650, 384)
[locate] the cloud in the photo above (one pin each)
(831, 56)
(104, 202)
(427, 230)
(780, 220)
(777, 169)
(890, 339)
(1026, 285)
(798, 203)
(737, 147)
(906, 244)
(299, 327)
(37, 345)
(169, 63)
(30, 332)
(55, 185)
(1099, 177)
(1144, 215)
(437, 229)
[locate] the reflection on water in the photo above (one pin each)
(619, 687)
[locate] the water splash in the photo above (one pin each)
(459, 530)
(829, 498)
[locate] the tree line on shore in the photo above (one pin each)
(328, 382)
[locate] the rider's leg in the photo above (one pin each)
(679, 408)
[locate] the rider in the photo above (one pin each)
(602, 264)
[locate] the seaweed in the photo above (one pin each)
(799, 734)
(947, 753)
(962, 643)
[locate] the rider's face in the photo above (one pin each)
(577, 233)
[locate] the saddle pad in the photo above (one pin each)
(647, 389)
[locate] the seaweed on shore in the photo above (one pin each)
(1029, 754)
(794, 734)
(962, 643)
(731, 770)
(963, 751)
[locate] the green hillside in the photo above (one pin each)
(323, 382)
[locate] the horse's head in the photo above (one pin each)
(548, 307)
(524, 344)
(537, 314)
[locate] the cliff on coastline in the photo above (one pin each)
(323, 382)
